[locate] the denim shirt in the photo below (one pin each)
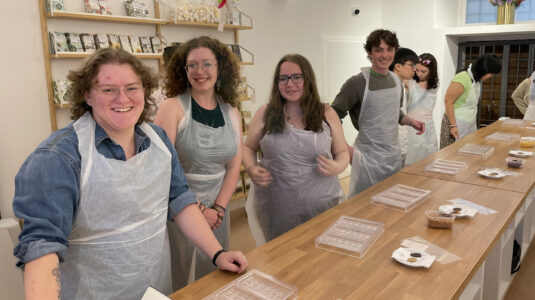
(47, 189)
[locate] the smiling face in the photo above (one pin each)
(116, 114)
(422, 72)
(382, 57)
(202, 78)
(290, 91)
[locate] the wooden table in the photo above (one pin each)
(320, 274)
(522, 183)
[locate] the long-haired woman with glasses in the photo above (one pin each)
(95, 195)
(303, 150)
(201, 120)
(422, 99)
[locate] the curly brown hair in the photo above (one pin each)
(176, 79)
(310, 101)
(83, 79)
(374, 39)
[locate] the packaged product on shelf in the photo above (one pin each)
(145, 44)
(114, 41)
(125, 43)
(236, 50)
(247, 181)
(101, 40)
(239, 187)
(56, 5)
(74, 42)
(246, 116)
(136, 45)
(88, 41)
(242, 88)
(233, 15)
(156, 44)
(105, 6)
(92, 6)
(60, 88)
(60, 41)
(136, 9)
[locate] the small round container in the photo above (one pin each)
(527, 141)
(515, 162)
(437, 219)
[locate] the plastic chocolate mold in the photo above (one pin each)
(473, 149)
(401, 197)
(447, 167)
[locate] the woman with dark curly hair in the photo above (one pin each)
(303, 150)
(96, 194)
(422, 99)
(202, 122)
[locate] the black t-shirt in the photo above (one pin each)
(213, 118)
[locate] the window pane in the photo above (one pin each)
(481, 11)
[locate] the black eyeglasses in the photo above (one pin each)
(296, 78)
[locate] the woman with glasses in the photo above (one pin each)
(96, 194)
(201, 120)
(303, 150)
(462, 97)
(422, 99)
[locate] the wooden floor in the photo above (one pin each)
(523, 286)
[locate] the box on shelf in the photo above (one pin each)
(88, 41)
(115, 43)
(60, 88)
(60, 41)
(101, 7)
(242, 88)
(101, 41)
(246, 118)
(125, 43)
(236, 50)
(136, 9)
(145, 44)
(74, 42)
(239, 187)
(156, 44)
(55, 5)
(136, 45)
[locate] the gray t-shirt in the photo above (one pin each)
(349, 99)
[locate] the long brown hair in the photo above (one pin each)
(176, 79)
(310, 101)
(83, 79)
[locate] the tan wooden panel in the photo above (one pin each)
(522, 183)
(321, 274)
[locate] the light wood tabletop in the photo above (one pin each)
(321, 274)
(521, 183)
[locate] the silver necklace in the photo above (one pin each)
(202, 115)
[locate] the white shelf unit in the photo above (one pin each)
(494, 277)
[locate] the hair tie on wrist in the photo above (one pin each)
(216, 255)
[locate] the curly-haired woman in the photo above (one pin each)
(201, 120)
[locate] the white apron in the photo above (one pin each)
(403, 131)
(204, 152)
(118, 245)
(530, 111)
(376, 154)
(420, 107)
(298, 192)
(466, 115)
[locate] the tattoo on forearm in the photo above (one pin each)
(55, 272)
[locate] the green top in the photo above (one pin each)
(464, 79)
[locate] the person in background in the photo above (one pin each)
(201, 120)
(95, 195)
(159, 94)
(422, 99)
(462, 97)
(303, 150)
(403, 67)
(524, 97)
(373, 100)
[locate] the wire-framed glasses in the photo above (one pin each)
(194, 66)
(132, 91)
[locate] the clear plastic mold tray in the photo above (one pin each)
(447, 167)
(255, 285)
(503, 136)
(473, 149)
(514, 122)
(401, 197)
(350, 236)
